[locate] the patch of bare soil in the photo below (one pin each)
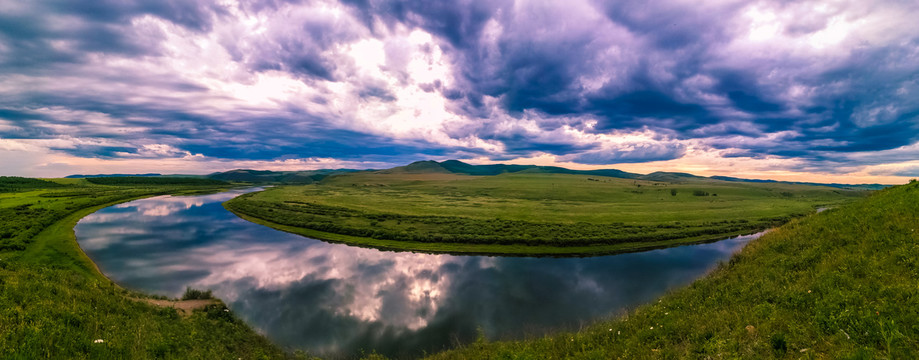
(184, 307)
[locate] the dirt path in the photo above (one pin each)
(185, 307)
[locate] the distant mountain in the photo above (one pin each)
(835, 185)
(78, 176)
(280, 177)
(418, 167)
(459, 167)
(664, 176)
(155, 180)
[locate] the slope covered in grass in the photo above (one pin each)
(842, 284)
(54, 304)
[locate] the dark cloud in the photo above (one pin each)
(459, 22)
(529, 70)
(912, 171)
(683, 71)
(197, 15)
(637, 153)
(33, 37)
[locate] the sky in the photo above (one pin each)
(790, 90)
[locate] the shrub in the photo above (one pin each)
(195, 294)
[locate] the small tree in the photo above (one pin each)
(672, 192)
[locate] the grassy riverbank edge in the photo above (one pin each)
(57, 244)
(484, 249)
(53, 282)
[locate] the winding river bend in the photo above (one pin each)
(341, 301)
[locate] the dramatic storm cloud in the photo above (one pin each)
(768, 89)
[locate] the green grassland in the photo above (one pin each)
(841, 284)
(529, 213)
(54, 303)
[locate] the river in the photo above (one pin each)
(341, 301)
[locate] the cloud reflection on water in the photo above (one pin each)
(335, 299)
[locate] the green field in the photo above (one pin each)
(529, 213)
(54, 303)
(842, 284)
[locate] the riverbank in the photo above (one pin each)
(839, 284)
(54, 303)
(528, 214)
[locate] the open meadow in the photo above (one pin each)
(530, 213)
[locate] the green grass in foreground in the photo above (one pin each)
(54, 304)
(842, 284)
(528, 213)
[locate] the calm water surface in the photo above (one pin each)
(338, 300)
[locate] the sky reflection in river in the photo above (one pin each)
(334, 299)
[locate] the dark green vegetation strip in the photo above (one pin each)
(140, 180)
(549, 212)
(455, 229)
(842, 284)
(15, 184)
(475, 249)
(54, 304)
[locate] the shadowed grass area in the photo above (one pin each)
(551, 214)
(55, 304)
(842, 284)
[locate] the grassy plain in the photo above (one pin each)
(55, 304)
(841, 284)
(528, 213)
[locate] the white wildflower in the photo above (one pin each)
(98, 341)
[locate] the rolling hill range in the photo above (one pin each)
(459, 167)
(285, 177)
(462, 168)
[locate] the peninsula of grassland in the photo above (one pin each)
(55, 304)
(529, 210)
